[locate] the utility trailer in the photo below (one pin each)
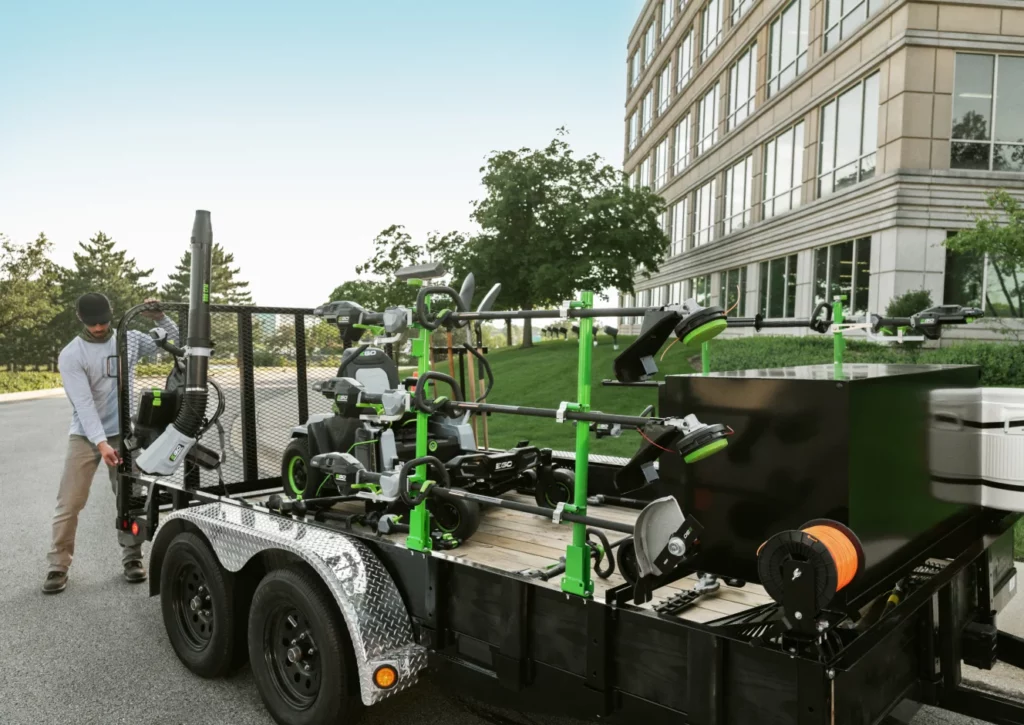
(845, 585)
(473, 614)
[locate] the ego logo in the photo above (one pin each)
(503, 465)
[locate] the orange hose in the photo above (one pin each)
(843, 552)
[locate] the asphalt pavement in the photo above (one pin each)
(98, 653)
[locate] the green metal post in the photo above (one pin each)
(705, 358)
(838, 341)
(577, 555)
(419, 518)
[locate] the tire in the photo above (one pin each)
(292, 605)
(295, 468)
(559, 485)
(198, 601)
(626, 560)
(457, 517)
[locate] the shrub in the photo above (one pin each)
(24, 382)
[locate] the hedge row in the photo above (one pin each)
(23, 382)
(1002, 364)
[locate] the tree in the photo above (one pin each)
(225, 287)
(554, 224)
(99, 267)
(998, 232)
(29, 301)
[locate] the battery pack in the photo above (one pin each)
(976, 446)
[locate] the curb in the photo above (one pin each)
(32, 395)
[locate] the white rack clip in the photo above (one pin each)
(556, 515)
(560, 413)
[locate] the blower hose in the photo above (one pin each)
(831, 550)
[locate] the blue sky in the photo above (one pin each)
(304, 127)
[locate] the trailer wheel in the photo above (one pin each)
(300, 652)
(197, 599)
(457, 517)
(295, 469)
(557, 487)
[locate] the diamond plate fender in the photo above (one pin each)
(377, 620)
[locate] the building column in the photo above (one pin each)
(907, 259)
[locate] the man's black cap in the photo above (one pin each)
(93, 308)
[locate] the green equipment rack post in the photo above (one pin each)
(577, 555)
(419, 518)
(838, 341)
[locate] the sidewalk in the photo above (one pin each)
(31, 395)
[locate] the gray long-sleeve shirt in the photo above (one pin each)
(89, 373)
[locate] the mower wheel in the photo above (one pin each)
(558, 486)
(457, 517)
(295, 471)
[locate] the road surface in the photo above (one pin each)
(97, 654)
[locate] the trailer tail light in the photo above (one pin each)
(385, 677)
(135, 528)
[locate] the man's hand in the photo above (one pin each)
(153, 314)
(110, 456)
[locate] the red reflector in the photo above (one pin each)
(124, 524)
(135, 528)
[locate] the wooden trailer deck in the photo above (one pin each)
(514, 541)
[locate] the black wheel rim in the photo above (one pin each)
(193, 606)
(447, 517)
(297, 474)
(292, 656)
(557, 493)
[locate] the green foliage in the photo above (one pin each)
(998, 232)
(909, 303)
(225, 286)
(24, 382)
(554, 224)
(29, 301)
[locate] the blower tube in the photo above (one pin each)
(164, 456)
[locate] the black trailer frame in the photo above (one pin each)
(513, 642)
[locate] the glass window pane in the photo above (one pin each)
(790, 286)
(1004, 296)
(741, 309)
(972, 97)
(862, 278)
(777, 288)
(848, 123)
(869, 143)
(762, 289)
(784, 169)
(963, 155)
(841, 271)
(1008, 158)
(820, 275)
(963, 279)
(828, 138)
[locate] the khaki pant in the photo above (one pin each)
(83, 458)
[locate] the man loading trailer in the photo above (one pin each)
(88, 367)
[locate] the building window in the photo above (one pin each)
(737, 195)
(732, 291)
(988, 113)
(661, 164)
(668, 15)
(849, 137)
(777, 288)
(646, 112)
(710, 28)
(664, 88)
(645, 172)
(787, 46)
(636, 178)
(625, 302)
(844, 269)
(684, 61)
(742, 87)
(704, 214)
(707, 119)
(678, 225)
(650, 41)
(675, 293)
(843, 17)
(783, 164)
(658, 296)
(700, 290)
(970, 277)
(634, 69)
(682, 144)
(634, 129)
(739, 9)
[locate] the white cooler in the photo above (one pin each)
(976, 446)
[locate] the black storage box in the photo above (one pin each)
(810, 443)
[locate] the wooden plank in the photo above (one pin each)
(513, 545)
